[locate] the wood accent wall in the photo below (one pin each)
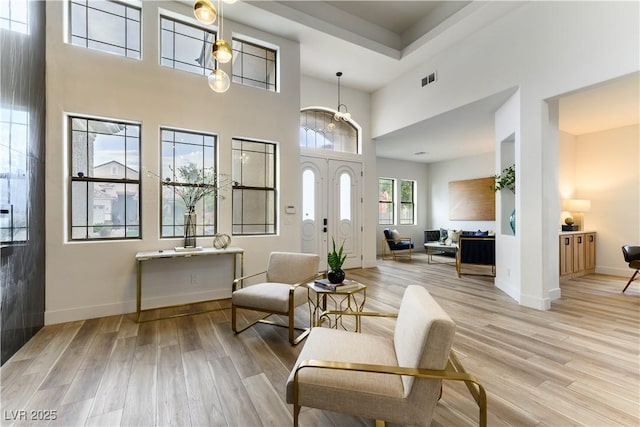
(472, 200)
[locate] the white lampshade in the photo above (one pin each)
(576, 205)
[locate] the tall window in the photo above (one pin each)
(407, 202)
(186, 47)
(108, 26)
(318, 130)
(386, 200)
(254, 191)
(254, 65)
(14, 175)
(14, 15)
(186, 155)
(105, 179)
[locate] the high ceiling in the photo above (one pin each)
(373, 42)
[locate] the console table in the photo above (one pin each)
(236, 254)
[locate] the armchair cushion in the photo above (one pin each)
(358, 347)
(269, 296)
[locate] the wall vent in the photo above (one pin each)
(431, 78)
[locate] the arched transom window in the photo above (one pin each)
(319, 130)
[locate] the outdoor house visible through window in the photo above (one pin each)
(14, 175)
(186, 47)
(254, 65)
(407, 202)
(320, 131)
(386, 201)
(104, 205)
(254, 190)
(14, 15)
(185, 155)
(108, 26)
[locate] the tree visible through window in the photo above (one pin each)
(186, 154)
(386, 201)
(407, 202)
(104, 205)
(254, 190)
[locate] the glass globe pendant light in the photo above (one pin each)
(343, 112)
(204, 11)
(219, 81)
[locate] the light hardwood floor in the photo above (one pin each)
(576, 364)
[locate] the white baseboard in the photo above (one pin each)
(614, 271)
(535, 302)
(555, 294)
(90, 312)
(508, 288)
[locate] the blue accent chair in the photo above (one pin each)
(396, 244)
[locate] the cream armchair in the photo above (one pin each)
(284, 290)
(396, 379)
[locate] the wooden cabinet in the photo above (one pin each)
(577, 253)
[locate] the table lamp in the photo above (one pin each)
(577, 208)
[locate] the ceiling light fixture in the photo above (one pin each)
(343, 112)
(204, 11)
(219, 81)
(221, 49)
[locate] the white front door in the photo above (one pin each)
(332, 208)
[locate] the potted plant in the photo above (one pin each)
(507, 179)
(335, 259)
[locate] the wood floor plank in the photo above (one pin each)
(141, 396)
(111, 393)
(273, 411)
(575, 364)
(236, 404)
(68, 364)
(204, 402)
(73, 414)
(86, 381)
(172, 402)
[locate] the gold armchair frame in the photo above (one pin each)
(289, 313)
(453, 372)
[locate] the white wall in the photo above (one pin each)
(439, 176)
(605, 166)
(543, 49)
(398, 169)
(94, 279)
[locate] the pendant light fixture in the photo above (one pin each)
(219, 81)
(204, 11)
(221, 49)
(343, 112)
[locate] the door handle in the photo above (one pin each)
(325, 221)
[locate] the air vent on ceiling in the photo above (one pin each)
(431, 78)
